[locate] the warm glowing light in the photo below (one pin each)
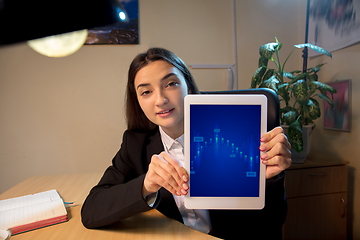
(59, 45)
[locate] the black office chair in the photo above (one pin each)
(273, 216)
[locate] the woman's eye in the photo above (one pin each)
(144, 93)
(172, 84)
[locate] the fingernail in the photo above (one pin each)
(185, 186)
(183, 192)
(263, 139)
(185, 178)
(263, 156)
(178, 194)
(262, 148)
(265, 161)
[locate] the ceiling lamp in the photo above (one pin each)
(23, 20)
(59, 45)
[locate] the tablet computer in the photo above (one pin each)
(222, 156)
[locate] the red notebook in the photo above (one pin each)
(33, 211)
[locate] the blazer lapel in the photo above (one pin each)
(154, 146)
(167, 205)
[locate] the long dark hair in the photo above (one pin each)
(135, 117)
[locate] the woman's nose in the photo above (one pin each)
(161, 100)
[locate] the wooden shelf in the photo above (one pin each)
(317, 195)
(315, 160)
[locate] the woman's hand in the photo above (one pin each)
(165, 171)
(275, 152)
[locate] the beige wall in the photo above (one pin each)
(66, 115)
(344, 65)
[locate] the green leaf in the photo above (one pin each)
(300, 90)
(326, 98)
(315, 48)
(295, 136)
(293, 81)
(313, 109)
(312, 88)
(268, 74)
(283, 92)
(256, 79)
(263, 61)
(316, 68)
(324, 86)
(283, 85)
(289, 75)
(253, 82)
(320, 65)
(280, 45)
(267, 50)
(270, 83)
(315, 102)
(302, 76)
(290, 117)
(313, 77)
(323, 91)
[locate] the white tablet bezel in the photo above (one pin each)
(224, 202)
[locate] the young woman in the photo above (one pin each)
(147, 172)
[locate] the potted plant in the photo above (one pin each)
(296, 90)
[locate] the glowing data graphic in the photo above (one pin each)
(224, 150)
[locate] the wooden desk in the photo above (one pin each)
(75, 187)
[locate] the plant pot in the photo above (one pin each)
(300, 157)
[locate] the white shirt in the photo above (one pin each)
(198, 219)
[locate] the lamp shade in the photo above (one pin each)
(22, 20)
(61, 45)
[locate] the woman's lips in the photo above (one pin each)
(165, 113)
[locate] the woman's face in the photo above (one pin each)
(160, 89)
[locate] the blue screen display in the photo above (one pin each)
(224, 150)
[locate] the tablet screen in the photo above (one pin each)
(224, 149)
(222, 156)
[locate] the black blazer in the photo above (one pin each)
(118, 195)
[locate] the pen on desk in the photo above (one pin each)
(70, 204)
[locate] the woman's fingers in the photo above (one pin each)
(159, 178)
(279, 155)
(275, 151)
(174, 164)
(165, 171)
(276, 135)
(171, 173)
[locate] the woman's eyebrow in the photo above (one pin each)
(142, 85)
(162, 79)
(168, 75)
